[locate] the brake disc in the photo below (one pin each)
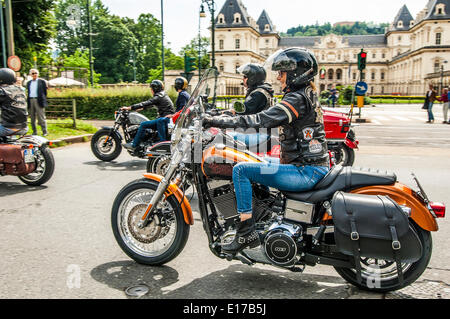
(146, 235)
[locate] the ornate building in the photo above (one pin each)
(411, 54)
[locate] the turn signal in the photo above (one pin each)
(439, 209)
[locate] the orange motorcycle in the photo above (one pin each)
(375, 231)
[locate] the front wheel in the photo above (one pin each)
(381, 275)
(106, 145)
(162, 239)
(45, 166)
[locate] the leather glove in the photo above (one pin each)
(207, 121)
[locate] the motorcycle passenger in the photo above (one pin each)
(165, 107)
(181, 85)
(304, 151)
(13, 105)
(259, 97)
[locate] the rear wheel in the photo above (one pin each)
(106, 145)
(381, 275)
(45, 166)
(164, 237)
(344, 155)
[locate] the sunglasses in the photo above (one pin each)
(33, 73)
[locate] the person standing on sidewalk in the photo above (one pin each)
(444, 100)
(430, 98)
(37, 101)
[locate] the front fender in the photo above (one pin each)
(173, 189)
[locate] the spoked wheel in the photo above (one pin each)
(45, 166)
(162, 239)
(344, 155)
(106, 146)
(381, 275)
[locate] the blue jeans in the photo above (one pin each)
(160, 125)
(4, 131)
(287, 178)
(251, 140)
(430, 111)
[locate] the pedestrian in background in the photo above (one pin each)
(333, 96)
(37, 101)
(430, 98)
(444, 100)
(19, 83)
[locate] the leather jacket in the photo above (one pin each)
(13, 106)
(300, 119)
(258, 99)
(161, 101)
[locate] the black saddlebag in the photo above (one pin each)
(374, 227)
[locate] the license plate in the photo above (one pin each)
(29, 156)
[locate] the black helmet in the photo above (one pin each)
(157, 86)
(300, 65)
(255, 74)
(7, 76)
(181, 83)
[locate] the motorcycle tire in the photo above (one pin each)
(108, 154)
(411, 272)
(48, 169)
(344, 156)
(134, 250)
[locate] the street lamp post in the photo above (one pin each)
(162, 39)
(3, 34)
(442, 76)
(91, 62)
(211, 5)
(9, 27)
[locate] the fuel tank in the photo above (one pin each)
(219, 160)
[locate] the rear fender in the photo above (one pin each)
(173, 189)
(159, 149)
(404, 195)
(35, 140)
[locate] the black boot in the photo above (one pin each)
(246, 237)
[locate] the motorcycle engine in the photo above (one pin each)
(132, 130)
(280, 244)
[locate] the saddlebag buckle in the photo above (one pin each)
(396, 245)
(354, 236)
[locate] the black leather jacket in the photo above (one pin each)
(300, 119)
(258, 99)
(161, 101)
(13, 105)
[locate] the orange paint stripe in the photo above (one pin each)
(291, 107)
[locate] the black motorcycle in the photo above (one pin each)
(106, 144)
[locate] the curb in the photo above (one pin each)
(72, 140)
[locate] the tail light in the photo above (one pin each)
(439, 209)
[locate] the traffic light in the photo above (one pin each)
(189, 64)
(362, 59)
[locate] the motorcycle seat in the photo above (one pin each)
(342, 179)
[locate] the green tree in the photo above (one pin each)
(34, 26)
(192, 50)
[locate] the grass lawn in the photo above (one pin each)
(61, 128)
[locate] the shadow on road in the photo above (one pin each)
(8, 188)
(236, 281)
(134, 165)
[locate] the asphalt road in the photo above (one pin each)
(56, 240)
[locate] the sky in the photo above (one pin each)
(181, 17)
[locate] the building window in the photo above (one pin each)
(338, 74)
(400, 24)
(221, 67)
(373, 76)
(237, 67)
(238, 43)
(438, 38)
(382, 75)
(330, 74)
(354, 76)
(374, 56)
(221, 46)
(383, 55)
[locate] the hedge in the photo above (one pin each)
(102, 103)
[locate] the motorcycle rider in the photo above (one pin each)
(259, 97)
(165, 107)
(304, 152)
(13, 105)
(181, 85)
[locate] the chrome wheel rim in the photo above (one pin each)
(150, 241)
(40, 169)
(380, 270)
(106, 148)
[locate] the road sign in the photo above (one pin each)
(360, 101)
(361, 88)
(14, 63)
